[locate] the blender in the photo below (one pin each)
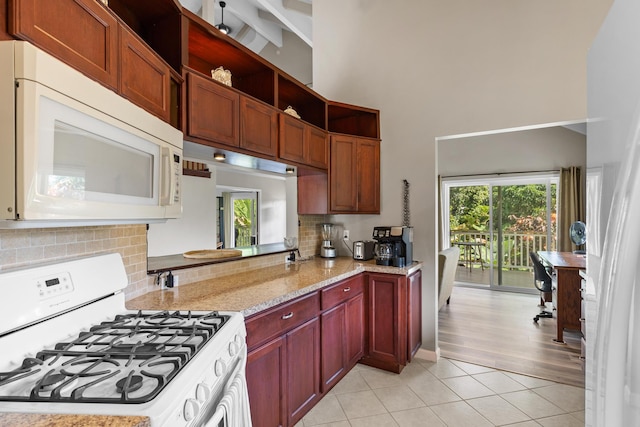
(327, 250)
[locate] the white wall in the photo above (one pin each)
(294, 58)
(197, 227)
(524, 151)
(272, 203)
(448, 68)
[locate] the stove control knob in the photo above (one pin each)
(203, 392)
(220, 367)
(233, 348)
(191, 409)
(239, 340)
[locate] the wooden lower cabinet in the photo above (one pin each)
(266, 384)
(414, 314)
(387, 347)
(283, 374)
(343, 330)
(303, 369)
(299, 350)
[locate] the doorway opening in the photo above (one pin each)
(496, 221)
(237, 219)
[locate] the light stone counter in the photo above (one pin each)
(258, 290)
(45, 420)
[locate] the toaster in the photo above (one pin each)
(363, 249)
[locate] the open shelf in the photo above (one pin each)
(353, 120)
(157, 22)
(309, 105)
(209, 49)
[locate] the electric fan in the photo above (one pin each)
(578, 235)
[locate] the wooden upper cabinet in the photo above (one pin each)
(368, 171)
(4, 30)
(302, 143)
(354, 175)
(81, 33)
(317, 148)
(343, 177)
(144, 78)
(258, 127)
(213, 111)
(291, 139)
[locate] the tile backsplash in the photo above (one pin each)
(20, 248)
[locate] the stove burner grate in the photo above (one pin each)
(134, 356)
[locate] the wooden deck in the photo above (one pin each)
(496, 329)
(477, 275)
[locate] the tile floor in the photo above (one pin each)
(448, 393)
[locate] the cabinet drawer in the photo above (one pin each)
(342, 291)
(280, 319)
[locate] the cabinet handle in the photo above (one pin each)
(346, 289)
(582, 319)
(287, 316)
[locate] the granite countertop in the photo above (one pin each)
(11, 419)
(257, 290)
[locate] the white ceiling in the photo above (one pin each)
(255, 23)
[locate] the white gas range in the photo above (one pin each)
(70, 346)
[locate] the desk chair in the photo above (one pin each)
(542, 281)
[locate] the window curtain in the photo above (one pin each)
(571, 206)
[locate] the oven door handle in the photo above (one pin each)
(217, 417)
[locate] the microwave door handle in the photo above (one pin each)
(165, 180)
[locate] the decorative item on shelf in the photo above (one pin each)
(290, 111)
(191, 168)
(224, 29)
(221, 75)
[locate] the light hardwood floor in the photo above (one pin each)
(496, 329)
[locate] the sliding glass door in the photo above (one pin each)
(496, 221)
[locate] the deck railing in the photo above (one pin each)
(515, 247)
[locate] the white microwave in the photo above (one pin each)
(76, 153)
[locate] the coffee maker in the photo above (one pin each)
(394, 245)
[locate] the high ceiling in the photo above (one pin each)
(255, 23)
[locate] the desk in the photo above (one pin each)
(566, 288)
(471, 253)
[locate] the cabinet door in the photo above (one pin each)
(81, 33)
(414, 314)
(343, 181)
(291, 139)
(316, 148)
(355, 323)
(266, 384)
(334, 345)
(258, 127)
(303, 369)
(368, 155)
(144, 78)
(387, 322)
(213, 111)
